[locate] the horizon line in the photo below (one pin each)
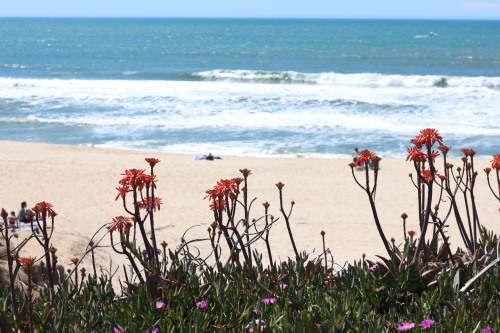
(249, 18)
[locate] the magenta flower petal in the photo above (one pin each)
(374, 267)
(425, 324)
(201, 304)
(269, 300)
(115, 330)
(486, 330)
(405, 326)
(155, 330)
(160, 304)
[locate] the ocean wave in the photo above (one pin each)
(355, 79)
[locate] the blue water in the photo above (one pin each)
(250, 87)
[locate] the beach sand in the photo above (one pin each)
(80, 182)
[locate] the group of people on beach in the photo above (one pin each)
(25, 216)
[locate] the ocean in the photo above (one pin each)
(250, 87)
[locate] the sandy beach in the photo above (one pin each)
(80, 182)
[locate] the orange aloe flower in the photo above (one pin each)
(444, 149)
(122, 191)
(218, 205)
(426, 176)
(245, 172)
(429, 137)
(45, 209)
(415, 154)
(495, 162)
(74, 261)
(28, 261)
(151, 204)
(226, 186)
(433, 156)
(134, 177)
(152, 161)
(468, 152)
(280, 185)
(364, 157)
(120, 223)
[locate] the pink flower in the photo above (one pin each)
(282, 286)
(154, 330)
(425, 324)
(374, 267)
(405, 326)
(290, 302)
(115, 330)
(319, 325)
(255, 311)
(268, 300)
(486, 330)
(160, 304)
(201, 304)
(262, 328)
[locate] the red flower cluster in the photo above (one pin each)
(122, 191)
(224, 189)
(28, 262)
(444, 149)
(136, 178)
(495, 162)
(44, 208)
(468, 152)
(415, 154)
(152, 161)
(428, 137)
(149, 204)
(120, 223)
(365, 156)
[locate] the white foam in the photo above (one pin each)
(395, 105)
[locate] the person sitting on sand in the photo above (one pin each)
(22, 212)
(354, 155)
(12, 221)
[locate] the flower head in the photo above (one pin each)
(269, 300)
(45, 209)
(28, 261)
(426, 176)
(120, 223)
(365, 156)
(201, 304)
(415, 154)
(152, 161)
(150, 204)
(135, 178)
(160, 304)
(486, 330)
(405, 326)
(495, 162)
(245, 172)
(429, 137)
(444, 149)
(468, 152)
(155, 330)
(425, 324)
(280, 185)
(282, 286)
(374, 267)
(122, 191)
